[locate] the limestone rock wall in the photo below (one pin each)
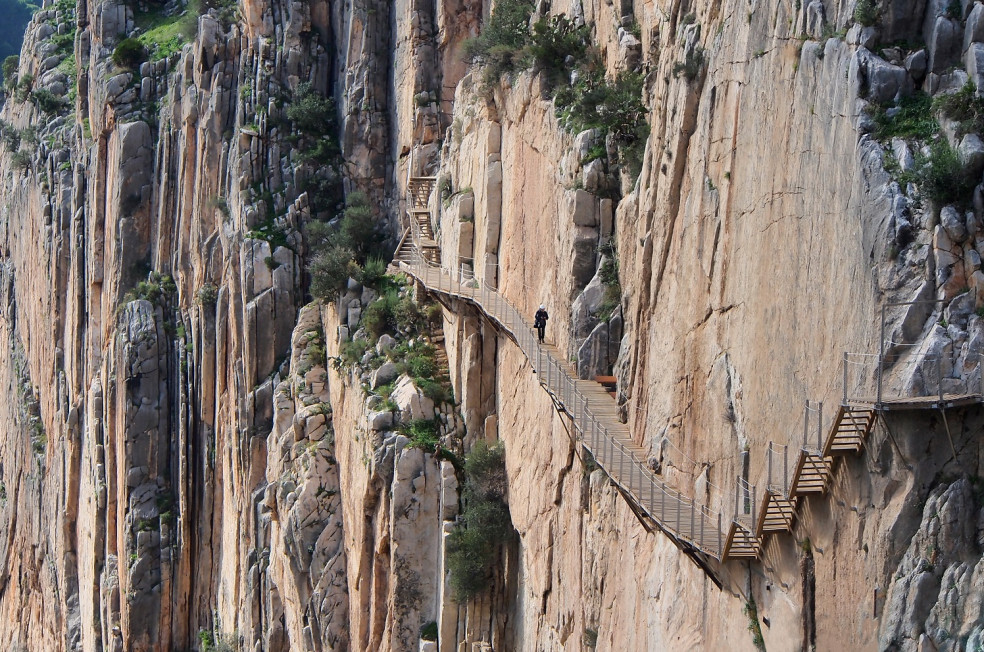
(181, 457)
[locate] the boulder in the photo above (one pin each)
(879, 81)
(974, 28)
(592, 355)
(916, 64)
(582, 207)
(380, 420)
(411, 401)
(815, 19)
(586, 306)
(954, 223)
(384, 374)
(385, 343)
(943, 41)
(972, 152)
(974, 63)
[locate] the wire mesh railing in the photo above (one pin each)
(881, 379)
(600, 432)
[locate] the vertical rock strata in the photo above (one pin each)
(187, 462)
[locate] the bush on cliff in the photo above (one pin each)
(345, 249)
(129, 53)
(476, 541)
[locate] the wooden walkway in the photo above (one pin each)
(693, 527)
(593, 414)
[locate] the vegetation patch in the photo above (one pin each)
(350, 247)
(129, 53)
(157, 288)
(561, 51)
(963, 106)
(912, 118)
(476, 541)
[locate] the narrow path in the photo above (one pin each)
(593, 414)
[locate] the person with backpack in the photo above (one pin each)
(540, 321)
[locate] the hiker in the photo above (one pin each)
(540, 321)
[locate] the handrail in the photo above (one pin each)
(678, 515)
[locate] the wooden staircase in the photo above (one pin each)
(851, 427)
(742, 542)
(812, 474)
(419, 191)
(778, 512)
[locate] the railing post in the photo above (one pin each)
(753, 509)
(785, 470)
(806, 423)
(720, 539)
(691, 520)
(662, 502)
(737, 495)
(844, 401)
(819, 427)
(939, 374)
(878, 397)
(702, 519)
(678, 510)
(652, 507)
(621, 457)
(769, 465)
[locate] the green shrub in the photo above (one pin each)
(208, 295)
(422, 434)
(485, 468)
(129, 53)
(691, 65)
(10, 65)
(373, 273)
(47, 101)
(311, 113)
(501, 45)
(379, 316)
(330, 270)
(614, 107)
(485, 525)
(942, 176)
(21, 160)
(555, 39)
(156, 288)
(965, 107)
(435, 390)
(913, 120)
(428, 631)
(866, 12)
(352, 351)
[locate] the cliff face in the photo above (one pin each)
(192, 461)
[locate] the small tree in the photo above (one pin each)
(10, 65)
(129, 53)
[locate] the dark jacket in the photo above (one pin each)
(540, 318)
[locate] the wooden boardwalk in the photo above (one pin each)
(594, 415)
(693, 527)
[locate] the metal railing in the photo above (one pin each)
(676, 514)
(880, 379)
